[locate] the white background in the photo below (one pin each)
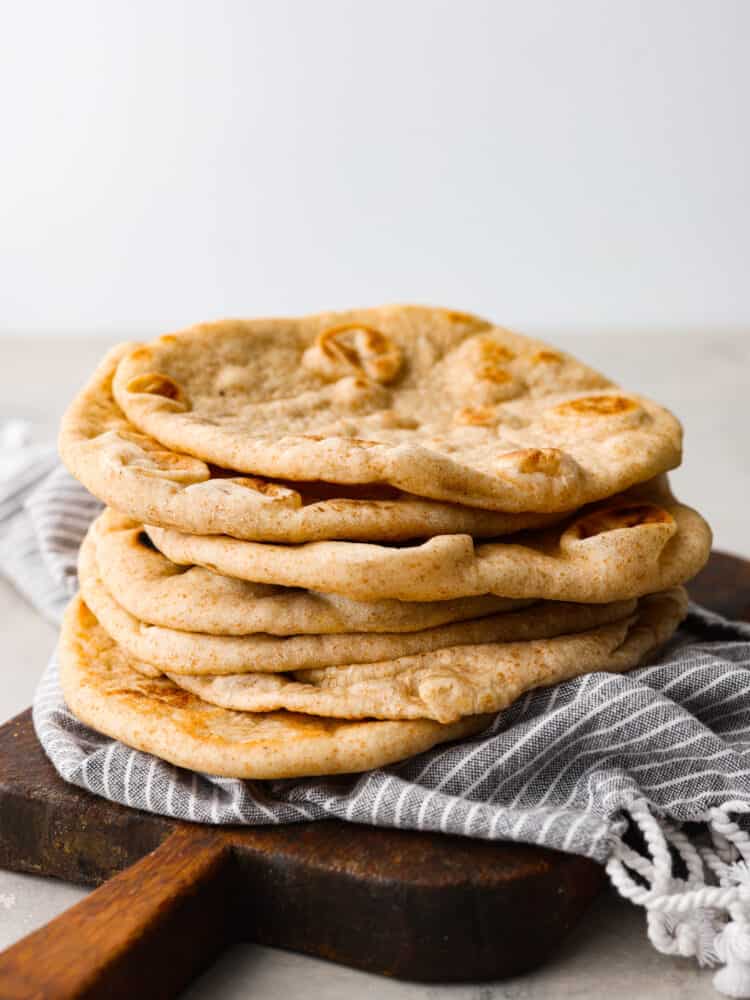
(578, 165)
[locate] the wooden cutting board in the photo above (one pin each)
(174, 895)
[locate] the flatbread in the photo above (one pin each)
(179, 652)
(450, 683)
(194, 599)
(637, 543)
(437, 403)
(139, 477)
(104, 690)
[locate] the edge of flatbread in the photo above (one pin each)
(152, 714)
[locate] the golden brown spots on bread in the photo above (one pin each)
(540, 460)
(141, 354)
(359, 442)
(172, 696)
(333, 350)
(456, 316)
(157, 384)
(265, 487)
(353, 348)
(546, 358)
(493, 373)
(628, 516)
(475, 416)
(492, 356)
(168, 338)
(172, 460)
(87, 616)
(490, 350)
(592, 406)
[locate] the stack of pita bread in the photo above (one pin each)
(333, 542)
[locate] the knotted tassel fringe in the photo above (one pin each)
(705, 913)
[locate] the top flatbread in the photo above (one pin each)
(437, 403)
(139, 477)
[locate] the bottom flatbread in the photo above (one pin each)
(104, 690)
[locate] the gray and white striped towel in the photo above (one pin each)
(573, 767)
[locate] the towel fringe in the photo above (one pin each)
(706, 913)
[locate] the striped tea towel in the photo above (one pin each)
(574, 767)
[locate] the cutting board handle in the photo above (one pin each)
(146, 933)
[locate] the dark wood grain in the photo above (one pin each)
(723, 585)
(406, 904)
(412, 905)
(146, 933)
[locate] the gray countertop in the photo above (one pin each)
(705, 379)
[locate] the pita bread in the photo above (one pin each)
(105, 691)
(196, 653)
(630, 545)
(436, 403)
(450, 683)
(194, 599)
(141, 478)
